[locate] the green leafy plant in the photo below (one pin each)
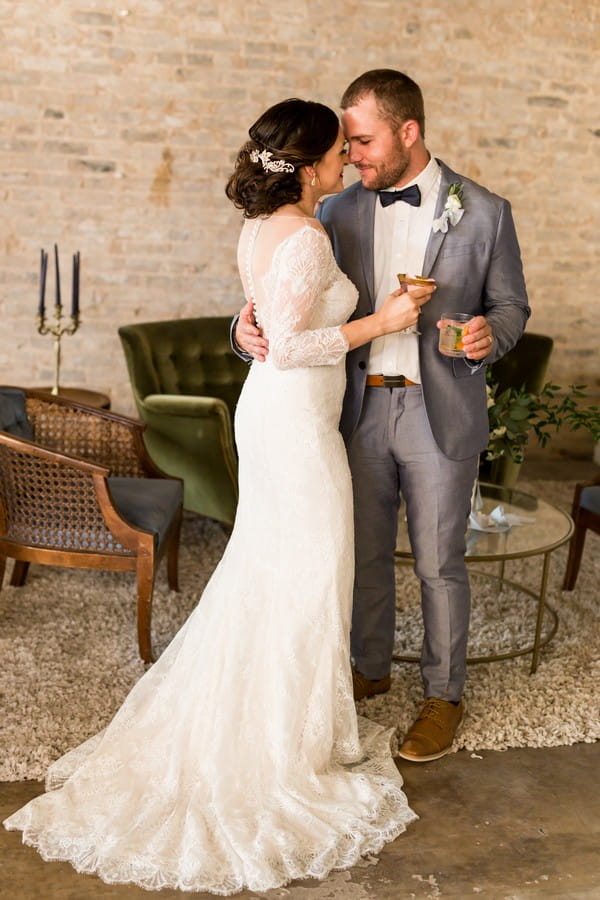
(514, 414)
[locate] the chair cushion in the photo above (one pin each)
(590, 498)
(13, 414)
(148, 503)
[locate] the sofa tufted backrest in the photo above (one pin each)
(183, 356)
(525, 365)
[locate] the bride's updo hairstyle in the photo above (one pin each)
(289, 135)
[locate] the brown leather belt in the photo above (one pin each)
(389, 381)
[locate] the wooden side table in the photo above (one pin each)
(81, 395)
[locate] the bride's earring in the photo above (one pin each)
(313, 181)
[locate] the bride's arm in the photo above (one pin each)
(301, 272)
(400, 310)
(305, 268)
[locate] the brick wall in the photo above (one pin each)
(119, 124)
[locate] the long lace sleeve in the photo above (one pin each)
(294, 293)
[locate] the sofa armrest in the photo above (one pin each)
(184, 405)
(191, 421)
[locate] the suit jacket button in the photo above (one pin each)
(362, 364)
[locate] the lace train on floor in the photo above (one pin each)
(348, 813)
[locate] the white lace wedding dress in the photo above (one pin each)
(236, 760)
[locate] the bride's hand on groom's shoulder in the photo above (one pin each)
(248, 336)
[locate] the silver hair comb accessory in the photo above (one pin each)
(268, 164)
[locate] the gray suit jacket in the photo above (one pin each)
(477, 267)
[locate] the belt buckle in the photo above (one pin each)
(388, 381)
(393, 381)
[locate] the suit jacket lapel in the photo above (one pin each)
(365, 210)
(436, 238)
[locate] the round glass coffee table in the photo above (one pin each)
(550, 529)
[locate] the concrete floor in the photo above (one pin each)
(507, 826)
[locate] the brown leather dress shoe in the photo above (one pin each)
(432, 734)
(363, 687)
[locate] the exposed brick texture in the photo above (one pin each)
(119, 124)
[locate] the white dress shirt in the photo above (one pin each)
(401, 235)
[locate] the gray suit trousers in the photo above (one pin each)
(393, 455)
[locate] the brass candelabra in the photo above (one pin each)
(57, 329)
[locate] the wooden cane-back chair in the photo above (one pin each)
(77, 489)
(585, 513)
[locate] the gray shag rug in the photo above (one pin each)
(69, 656)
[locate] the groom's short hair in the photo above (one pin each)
(398, 97)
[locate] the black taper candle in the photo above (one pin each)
(44, 267)
(75, 290)
(58, 303)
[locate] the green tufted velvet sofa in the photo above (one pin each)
(186, 381)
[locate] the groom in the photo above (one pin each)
(415, 421)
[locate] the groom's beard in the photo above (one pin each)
(387, 174)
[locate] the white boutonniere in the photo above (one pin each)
(453, 210)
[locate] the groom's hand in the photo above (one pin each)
(248, 336)
(479, 340)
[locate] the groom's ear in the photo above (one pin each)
(409, 132)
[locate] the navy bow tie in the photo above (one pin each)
(411, 195)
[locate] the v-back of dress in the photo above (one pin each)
(236, 760)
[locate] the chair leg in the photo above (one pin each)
(173, 554)
(574, 558)
(145, 588)
(19, 573)
(2, 570)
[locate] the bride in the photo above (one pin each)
(237, 760)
